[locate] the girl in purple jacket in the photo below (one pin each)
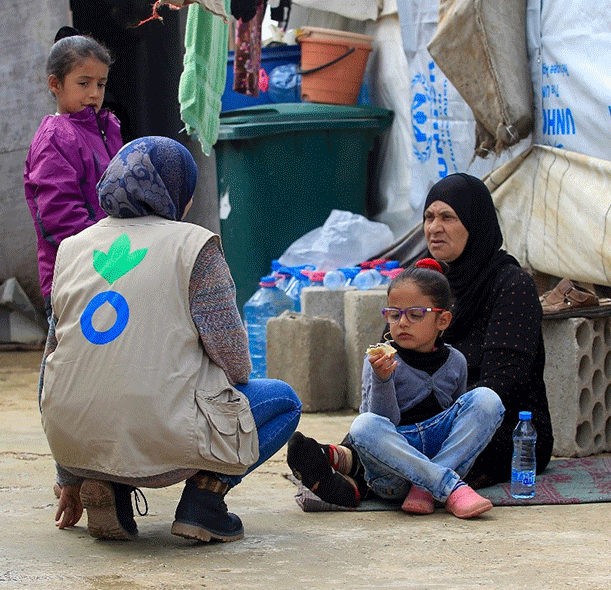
(70, 149)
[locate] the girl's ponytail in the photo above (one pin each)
(72, 49)
(429, 275)
(64, 32)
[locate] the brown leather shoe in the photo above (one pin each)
(567, 299)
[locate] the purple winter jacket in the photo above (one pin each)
(67, 157)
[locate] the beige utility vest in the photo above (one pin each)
(129, 390)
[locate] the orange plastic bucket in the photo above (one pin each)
(332, 64)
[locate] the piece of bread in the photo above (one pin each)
(381, 347)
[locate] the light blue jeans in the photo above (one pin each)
(435, 454)
(276, 410)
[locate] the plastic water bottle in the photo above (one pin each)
(267, 302)
(384, 270)
(367, 279)
(335, 280)
(315, 277)
(296, 284)
(389, 275)
(350, 273)
(524, 461)
(283, 277)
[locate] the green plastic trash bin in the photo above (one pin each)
(281, 169)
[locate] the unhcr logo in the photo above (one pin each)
(430, 125)
(558, 122)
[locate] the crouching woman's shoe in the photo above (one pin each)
(110, 514)
(202, 514)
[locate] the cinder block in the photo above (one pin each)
(578, 380)
(324, 303)
(308, 354)
(363, 325)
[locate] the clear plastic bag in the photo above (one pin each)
(285, 84)
(345, 239)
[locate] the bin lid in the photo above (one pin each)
(269, 119)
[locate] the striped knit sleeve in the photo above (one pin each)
(215, 314)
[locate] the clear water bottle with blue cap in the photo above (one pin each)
(283, 276)
(267, 302)
(367, 279)
(350, 273)
(524, 459)
(297, 282)
(335, 279)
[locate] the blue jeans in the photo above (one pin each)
(435, 454)
(276, 410)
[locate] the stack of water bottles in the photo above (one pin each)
(278, 292)
(367, 275)
(281, 291)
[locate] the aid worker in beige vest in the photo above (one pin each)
(145, 373)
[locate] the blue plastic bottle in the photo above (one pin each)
(267, 302)
(524, 461)
(367, 279)
(283, 277)
(297, 282)
(350, 273)
(335, 280)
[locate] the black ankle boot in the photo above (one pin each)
(311, 466)
(123, 504)
(203, 515)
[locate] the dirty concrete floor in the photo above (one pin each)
(555, 547)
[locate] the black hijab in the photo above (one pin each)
(472, 274)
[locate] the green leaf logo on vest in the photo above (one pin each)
(112, 265)
(119, 260)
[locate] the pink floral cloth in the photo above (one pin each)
(247, 58)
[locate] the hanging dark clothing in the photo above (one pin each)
(247, 56)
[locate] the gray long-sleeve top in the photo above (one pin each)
(408, 386)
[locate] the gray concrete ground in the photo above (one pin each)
(533, 547)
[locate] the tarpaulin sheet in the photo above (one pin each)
(569, 44)
(442, 123)
(554, 207)
(481, 47)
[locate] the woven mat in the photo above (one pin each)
(565, 481)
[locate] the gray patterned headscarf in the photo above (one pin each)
(149, 176)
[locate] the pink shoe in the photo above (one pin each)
(419, 501)
(465, 502)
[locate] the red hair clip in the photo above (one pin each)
(429, 263)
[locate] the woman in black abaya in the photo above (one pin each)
(497, 316)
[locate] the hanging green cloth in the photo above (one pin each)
(202, 82)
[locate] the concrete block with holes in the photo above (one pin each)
(308, 354)
(578, 380)
(363, 325)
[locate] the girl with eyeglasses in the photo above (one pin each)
(419, 430)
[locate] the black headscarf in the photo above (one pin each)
(471, 274)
